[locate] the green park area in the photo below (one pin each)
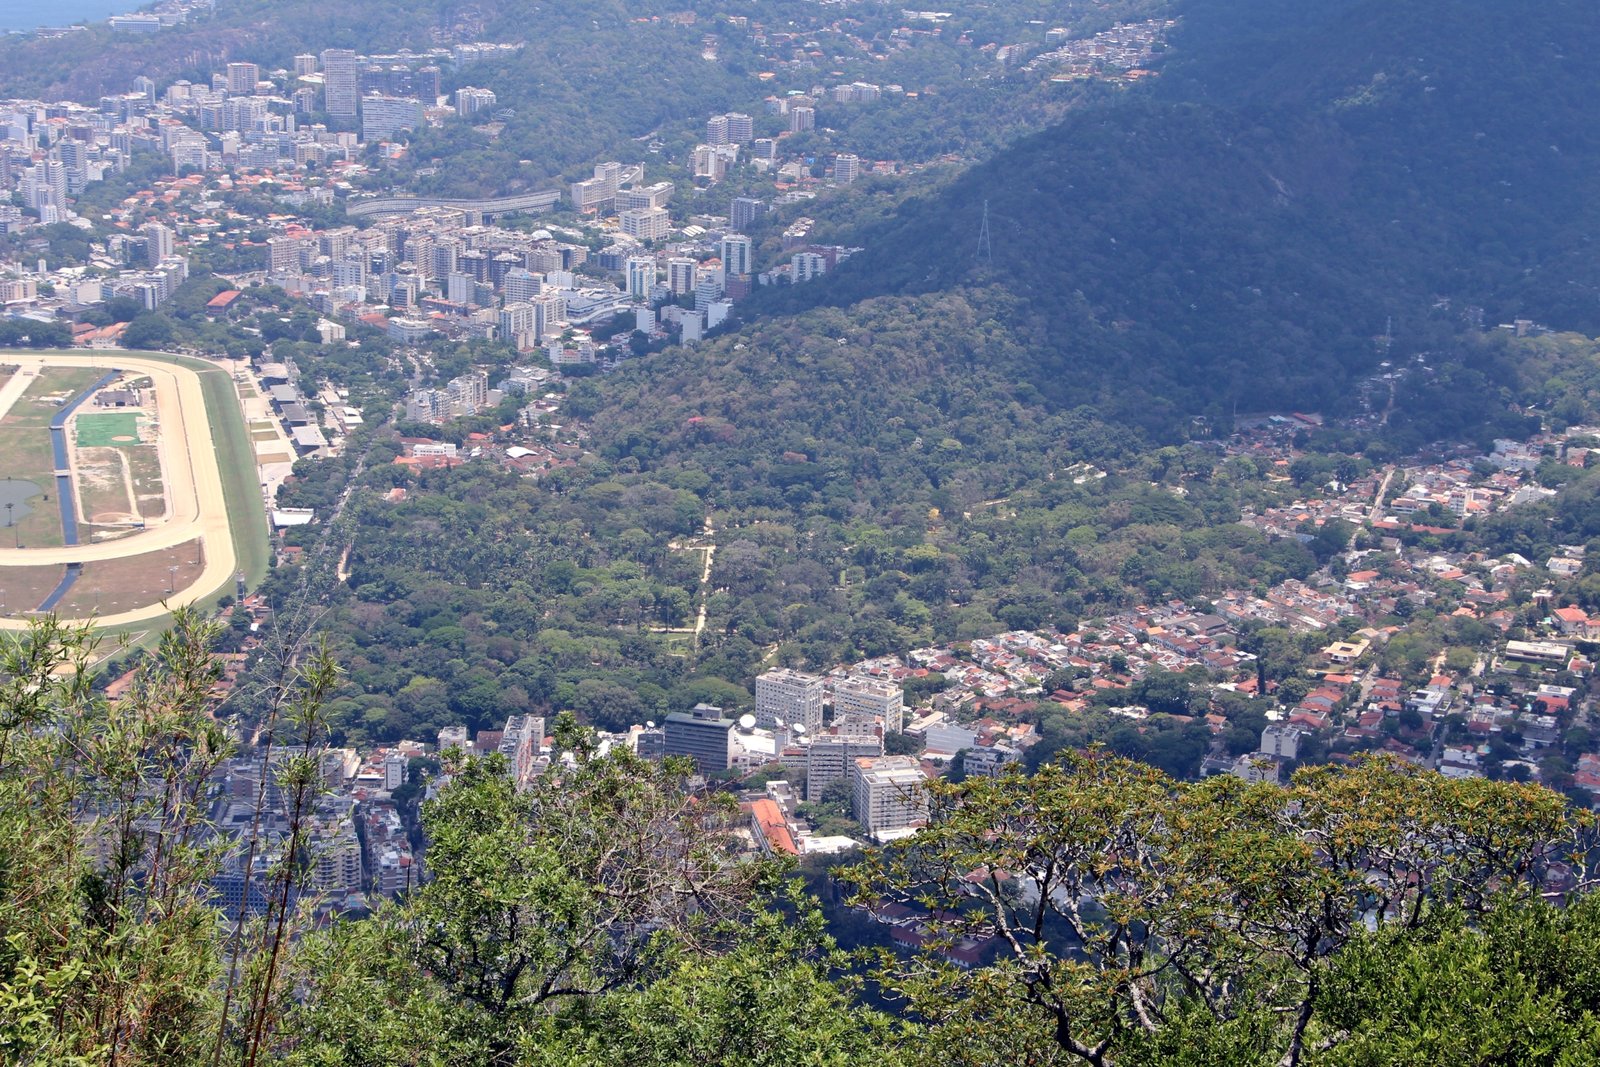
(108, 430)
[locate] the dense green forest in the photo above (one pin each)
(1236, 237)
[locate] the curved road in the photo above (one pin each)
(196, 507)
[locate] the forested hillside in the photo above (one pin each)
(1238, 235)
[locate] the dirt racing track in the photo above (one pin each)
(196, 506)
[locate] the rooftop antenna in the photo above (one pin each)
(985, 248)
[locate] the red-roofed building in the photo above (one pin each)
(770, 828)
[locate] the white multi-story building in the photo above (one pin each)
(522, 284)
(641, 276)
(657, 195)
(470, 101)
(789, 697)
(889, 793)
(242, 77)
(804, 266)
(861, 703)
(846, 168)
(385, 116)
(682, 273)
(830, 757)
(736, 255)
(340, 82)
(646, 223)
(519, 324)
(741, 127)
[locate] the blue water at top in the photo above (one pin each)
(30, 14)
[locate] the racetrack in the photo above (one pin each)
(192, 478)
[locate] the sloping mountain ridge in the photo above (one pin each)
(1237, 236)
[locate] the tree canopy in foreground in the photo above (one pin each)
(1366, 915)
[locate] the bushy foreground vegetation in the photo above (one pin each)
(1365, 915)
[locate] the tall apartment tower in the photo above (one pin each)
(744, 211)
(889, 793)
(340, 83)
(791, 698)
(801, 119)
(717, 129)
(859, 703)
(682, 273)
(831, 758)
(641, 276)
(846, 168)
(741, 127)
(157, 243)
(735, 255)
(242, 77)
(522, 284)
(305, 64)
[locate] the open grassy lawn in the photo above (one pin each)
(240, 481)
(103, 429)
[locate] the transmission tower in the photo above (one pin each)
(985, 247)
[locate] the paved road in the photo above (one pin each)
(196, 507)
(15, 386)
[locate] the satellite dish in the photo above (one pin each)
(747, 722)
(799, 729)
(650, 725)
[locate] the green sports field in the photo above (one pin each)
(108, 430)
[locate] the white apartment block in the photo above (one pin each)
(789, 697)
(830, 757)
(860, 703)
(646, 223)
(889, 793)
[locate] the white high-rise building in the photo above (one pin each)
(518, 322)
(682, 273)
(741, 127)
(646, 224)
(860, 703)
(522, 284)
(549, 315)
(846, 168)
(470, 101)
(889, 793)
(735, 255)
(830, 757)
(340, 81)
(641, 276)
(385, 116)
(790, 697)
(157, 243)
(804, 266)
